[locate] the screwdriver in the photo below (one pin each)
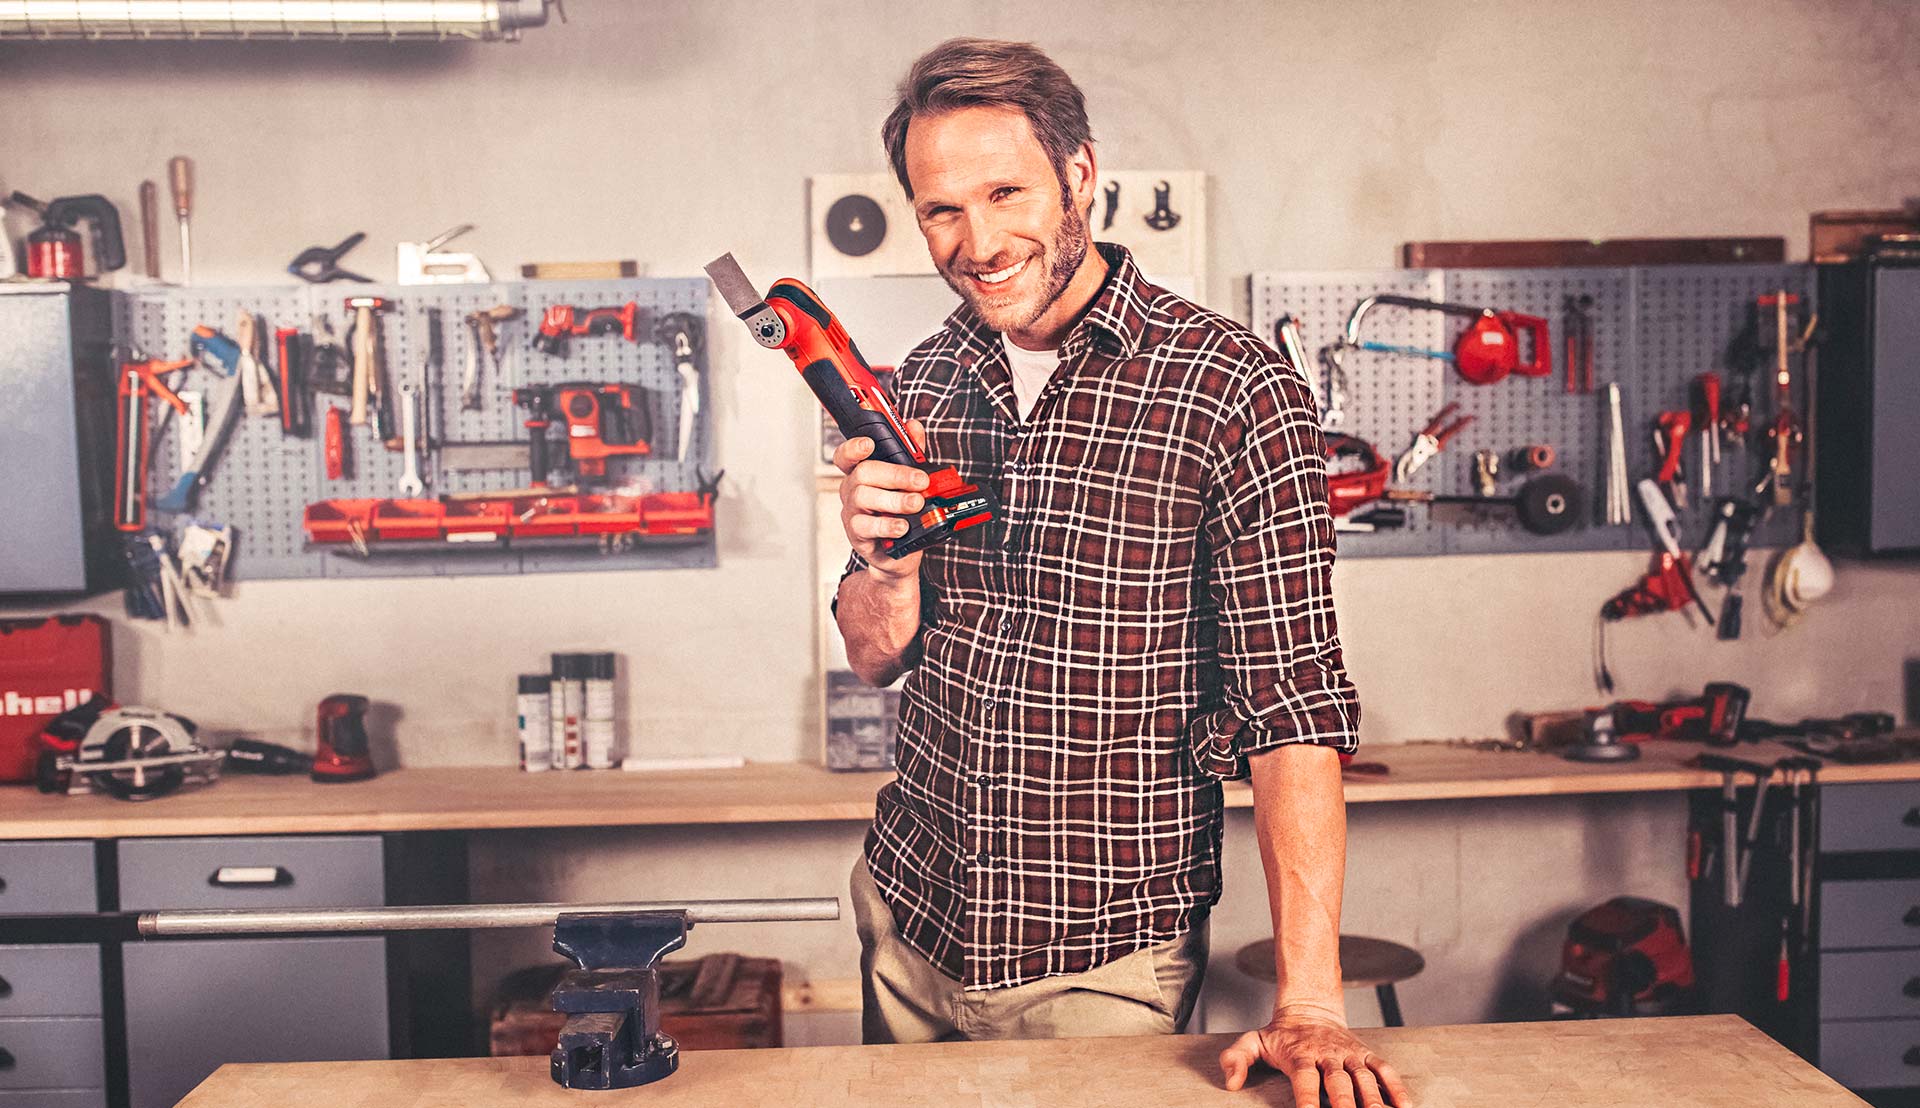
(180, 169)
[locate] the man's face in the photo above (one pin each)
(991, 208)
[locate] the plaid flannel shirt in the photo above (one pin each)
(1151, 607)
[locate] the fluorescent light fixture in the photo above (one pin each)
(271, 20)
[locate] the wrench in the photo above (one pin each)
(410, 483)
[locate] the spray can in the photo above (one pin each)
(534, 717)
(569, 692)
(597, 727)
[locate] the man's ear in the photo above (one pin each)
(1082, 176)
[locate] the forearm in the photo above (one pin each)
(879, 616)
(1299, 814)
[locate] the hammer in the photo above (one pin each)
(366, 371)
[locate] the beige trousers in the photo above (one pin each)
(905, 999)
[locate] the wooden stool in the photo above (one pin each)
(1363, 962)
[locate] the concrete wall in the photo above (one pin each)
(1333, 132)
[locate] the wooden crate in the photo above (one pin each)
(719, 1002)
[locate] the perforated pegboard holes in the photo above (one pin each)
(1655, 329)
(264, 479)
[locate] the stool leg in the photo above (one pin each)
(1389, 1005)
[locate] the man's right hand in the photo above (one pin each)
(873, 497)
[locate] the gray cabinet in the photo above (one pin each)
(1869, 965)
(193, 1005)
(52, 1034)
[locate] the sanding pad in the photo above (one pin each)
(855, 225)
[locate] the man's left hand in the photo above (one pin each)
(1316, 1052)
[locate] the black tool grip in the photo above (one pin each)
(854, 419)
(1912, 1056)
(1912, 918)
(6, 1059)
(1912, 818)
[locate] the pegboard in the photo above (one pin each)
(263, 478)
(1654, 330)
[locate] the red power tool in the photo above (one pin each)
(791, 318)
(603, 421)
(1625, 957)
(564, 320)
(1485, 352)
(341, 749)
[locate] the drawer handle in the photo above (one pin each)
(1912, 988)
(6, 988)
(1912, 818)
(1912, 1056)
(6, 1059)
(1912, 918)
(272, 877)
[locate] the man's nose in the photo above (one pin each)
(986, 239)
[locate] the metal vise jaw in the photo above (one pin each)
(612, 1037)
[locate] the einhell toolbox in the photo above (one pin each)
(46, 667)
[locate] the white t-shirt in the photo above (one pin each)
(1032, 369)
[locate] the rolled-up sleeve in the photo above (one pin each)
(1270, 539)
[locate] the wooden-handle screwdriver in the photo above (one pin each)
(180, 170)
(150, 225)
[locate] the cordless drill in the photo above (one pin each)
(791, 318)
(562, 321)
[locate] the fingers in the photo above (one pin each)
(1366, 1088)
(1390, 1078)
(1237, 1060)
(1306, 1087)
(919, 433)
(873, 498)
(851, 453)
(1339, 1085)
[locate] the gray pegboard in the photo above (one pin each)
(264, 478)
(1655, 329)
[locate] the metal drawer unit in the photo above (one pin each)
(47, 878)
(196, 1004)
(1869, 936)
(52, 1033)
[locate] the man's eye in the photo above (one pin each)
(1004, 192)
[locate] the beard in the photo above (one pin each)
(1057, 260)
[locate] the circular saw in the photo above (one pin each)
(132, 754)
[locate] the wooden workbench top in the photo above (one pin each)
(1689, 1062)
(478, 798)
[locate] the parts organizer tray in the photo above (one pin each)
(273, 489)
(1655, 329)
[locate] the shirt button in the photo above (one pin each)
(983, 779)
(980, 858)
(1006, 623)
(988, 701)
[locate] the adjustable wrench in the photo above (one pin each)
(410, 483)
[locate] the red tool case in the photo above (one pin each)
(47, 666)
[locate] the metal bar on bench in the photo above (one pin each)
(454, 917)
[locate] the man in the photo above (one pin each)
(1150, 614)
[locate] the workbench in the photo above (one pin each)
(1689, 1062)
(488, 798)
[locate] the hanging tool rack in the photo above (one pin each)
(265, 480)
(1653, 330)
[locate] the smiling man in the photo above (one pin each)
(1150, 615)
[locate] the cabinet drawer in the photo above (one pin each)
(1857, 914)
(1870, 984)
(1880, 816)
(49, 877)
(302, 871)
(46, 1053)
(53, 1098)
(193, 1006)
(1879, 1054)
(62, 980)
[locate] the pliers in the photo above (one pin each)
(1430, 441)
